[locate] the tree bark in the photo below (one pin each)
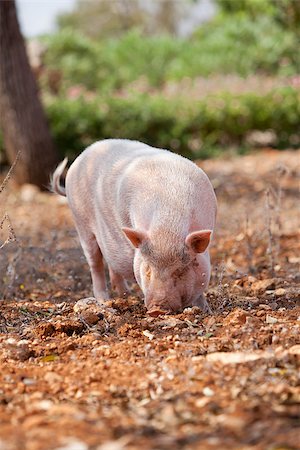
(22, 118)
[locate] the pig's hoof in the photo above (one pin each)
(155, 312)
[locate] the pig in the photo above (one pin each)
(149, 214)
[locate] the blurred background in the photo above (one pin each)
(200, 77)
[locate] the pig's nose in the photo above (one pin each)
(156, 311)
(155, 308)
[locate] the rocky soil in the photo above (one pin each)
(75, 376)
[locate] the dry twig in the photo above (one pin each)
(11, 233)
(9, 173)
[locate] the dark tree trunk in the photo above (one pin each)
(22, 118)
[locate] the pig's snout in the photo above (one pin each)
(158, 306)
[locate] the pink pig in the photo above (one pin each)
(149, 214)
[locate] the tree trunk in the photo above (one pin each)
(22, 118)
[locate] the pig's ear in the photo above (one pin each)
(198, 240)
(136, 237)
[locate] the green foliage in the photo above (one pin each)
(190, 128)
(110, 64)
(244, 46)
(119, 79)
(76, 56)
(284, 12)
(252, 8)
(238, 45)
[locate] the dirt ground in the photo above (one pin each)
(78, 378)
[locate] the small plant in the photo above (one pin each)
(273, 207)
(5, 218)
(11, 269)
(249, 238)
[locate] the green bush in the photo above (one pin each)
(189, 128)
(244, 46)
(239, 45)
(111, 63)
(284, 12)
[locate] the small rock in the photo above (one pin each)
(148, 334)
(235, 421)
(202, 402)
(52, 377)
(294, 259)
(273, 305)
(261, 286)
(85, 303)
(91, 304)
(264, 307)
(73, 444)
(238, 316)
(11, 341)
(294, 350)
(238, 357)
(29, 381)
(20, 352)
(23, 342)
(120, 444)
(270, 319)
(91, 317)
(42, 405)
(280, 292)
(208, 392)
(253, 322)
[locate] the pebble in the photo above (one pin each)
(29, 381)
(271, 319)
(280, 292)
(261, 286)
(208, 392)
(73, 444)
(148, 334)
(294, 350)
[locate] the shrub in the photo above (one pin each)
(236, 45)
(187, 127)
(111, 63)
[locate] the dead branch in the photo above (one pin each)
(9, 173)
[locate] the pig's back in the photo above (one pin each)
(125, 181)
(92, 179)
(169, 189)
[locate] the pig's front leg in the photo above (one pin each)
(118, 283)
(202, 303)
(95, 261)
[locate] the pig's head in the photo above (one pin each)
(171, 271)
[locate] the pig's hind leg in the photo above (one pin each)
(94, 258)
(118, 283)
